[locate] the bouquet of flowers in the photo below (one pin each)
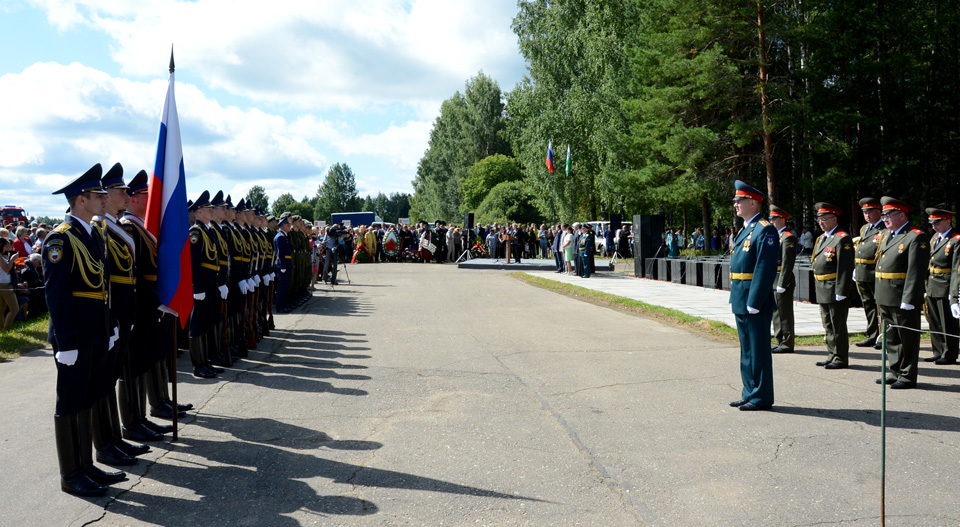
(479, 251)
(360, 254)
(411, 255)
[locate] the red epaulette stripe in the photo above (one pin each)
(916, 230)
(788, 233)
(956, 236)
(842, 234)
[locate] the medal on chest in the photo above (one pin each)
(746, 246)
(946, 250)
(829, 253)
(900, 249)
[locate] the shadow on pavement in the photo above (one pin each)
(261, 468)
(895, 418)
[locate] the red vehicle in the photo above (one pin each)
(13, 215)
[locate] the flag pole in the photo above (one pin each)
(173, 349)
(553, 195)
(570, 183)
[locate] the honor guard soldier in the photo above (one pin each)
(833, 257)
(784, 284)
(81, 331)
(865, 269)
(902, 260)
(753, 268)
(584, 249)
(943, 265)
(284, 266)
(239, 267)
(121, 292)
(220, 341)
(206, 268)
(145, 375)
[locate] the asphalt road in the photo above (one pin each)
(424, 395)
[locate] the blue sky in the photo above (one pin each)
(268, 97)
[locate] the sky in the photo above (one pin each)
(265, 96)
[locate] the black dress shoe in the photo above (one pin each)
(890, 380)
(214, 369)
(750, 407)
(944, 362)
(739, 403)
(183, 407)
(932, 359)
(834, 366)
(779, 349)
(866, 343)
(204, 373)
(79, 484)
(131, 449)
(141, 434)
(823, 363)
(900, 385)
(111, 455)
(157, 428)
(878, 345)
(104, 478)
(165, 411)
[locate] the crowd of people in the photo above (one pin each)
(21, 273)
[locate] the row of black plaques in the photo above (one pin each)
(713, 272)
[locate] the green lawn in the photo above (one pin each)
(23, 337)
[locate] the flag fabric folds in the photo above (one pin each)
(568, 160)
(550, 157)
(167, 214)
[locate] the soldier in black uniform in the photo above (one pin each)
(237, 286)
(944, 261)
(865, 268)
(81, 331)
(284, 264)
(206, 268)
(784, 284)
(220, 341)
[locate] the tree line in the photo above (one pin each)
(665, 102)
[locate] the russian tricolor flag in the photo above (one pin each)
(167, 213)
(550, 156)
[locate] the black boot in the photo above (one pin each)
(129, 449)
(129, 413)
(103, 438)
(211, 348)
(72, 479)
(86, 455)
(157, 428)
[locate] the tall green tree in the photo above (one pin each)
(483, 176)
(338, 193)
(257, 197)
(282, 204)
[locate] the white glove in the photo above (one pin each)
(243, 287)
(273, 276)
(114, 338)
(199, 296)
(67, 358)
(251, 285)
(840, 298)
(167, 310)
(752, 311)
(854, 275)
(131, 328)
(781, 290)
(906, 307)
(256, 279)
(283, 270)
(266, 280)
(223, 291)
(955, 309)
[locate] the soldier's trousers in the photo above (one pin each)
(870, 309)
(903, 343)
(756, 362)
(941, 321)
(783, 319)
(834, 317)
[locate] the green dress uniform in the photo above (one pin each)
(944, 261)
(833, 261)
(865, 270)
(902, 261)
(753, 268)
(783, 321)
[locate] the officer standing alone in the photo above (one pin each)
(784, 285)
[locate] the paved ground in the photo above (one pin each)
(424, 395)
(713, 304)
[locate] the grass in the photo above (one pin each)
(23, 337)
(665, 314)
(629, 305)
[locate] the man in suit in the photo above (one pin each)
(902, 260)
(81, 333)
(784, 284)
(753, 268)
(557, 252)
(833, 260)
(865, 267)
(944, 261)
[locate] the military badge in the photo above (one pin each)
(746, 246)
(194, 238)
(900, 248)
(54, 254)
(771, 240)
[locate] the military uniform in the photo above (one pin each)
(753, 268)
(75, 287)
(833, 261)
(865, 270)
(284, 265)
(584, 250)
(902, 260)
(205, 267)
(784, 285)
(944, 262)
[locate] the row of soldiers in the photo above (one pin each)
(114, 342)
(898, 272)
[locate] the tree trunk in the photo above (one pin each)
(765, 104)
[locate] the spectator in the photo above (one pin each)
(806, 240)
(31, 294)
(9, 305)
(567, 246)
(38, 245)
(493, 243)
(22, 242)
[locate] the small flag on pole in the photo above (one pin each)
(568, 160)
(550, 157)
(166, 216)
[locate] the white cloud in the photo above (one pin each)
(402, 145)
